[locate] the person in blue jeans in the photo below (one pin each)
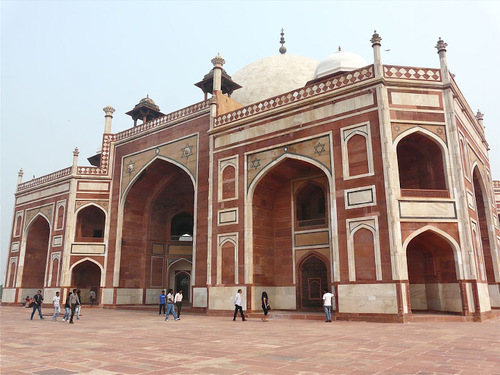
(327, 304)
(67, 308)
(170, 305)
(163, 301)
(37, 304)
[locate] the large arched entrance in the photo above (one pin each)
(86, 276)
(290, 213)
(432, 274)
(35, 259)
(158, 227)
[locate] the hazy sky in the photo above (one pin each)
(63, 61)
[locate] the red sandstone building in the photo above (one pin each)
(369, 179)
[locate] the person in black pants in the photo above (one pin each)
(37, 304)
(163, 302)
(237, 306)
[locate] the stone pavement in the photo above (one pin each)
(141, 342)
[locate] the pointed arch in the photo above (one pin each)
(90, 223)
(422, 162)
(91, 260)
(35, 247)
(485, 224)
(454, 246)
(132, 182)
(159, 183)
(249, 202)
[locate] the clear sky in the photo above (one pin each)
(63, 61)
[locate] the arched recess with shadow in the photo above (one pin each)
(313, 278)
(158, 225)
(432, 274)
(86, 276)
(37, 249)
(484, 247)
(90, 224)
(276, 228)
(421, 164)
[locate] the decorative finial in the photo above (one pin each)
(76, 152)
(282, 41)
(109, 109)
(218, 60)
(479, 115)
(20, 173)
(441, 45)
(375, 39)
(340, 49)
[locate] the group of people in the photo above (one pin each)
(266, 305)
(167, 304)
(72, 306)
(166, 301)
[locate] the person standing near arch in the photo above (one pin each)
(327, 305)
(178, 302)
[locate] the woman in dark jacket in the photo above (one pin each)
(265, 305)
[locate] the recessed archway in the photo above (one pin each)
(86, 276)
(432, 274)
(158, 225)
(35, 258)
(313, 276)
(484, 245)
(276, 218)
(421, 163)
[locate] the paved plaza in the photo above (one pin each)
(140, 342)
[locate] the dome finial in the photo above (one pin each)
(282, 41)
(340, 49)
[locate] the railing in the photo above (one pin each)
(162, 120)
(425, 193)
(311, 222)
(406, 72)
(44, 179)
(295, 96)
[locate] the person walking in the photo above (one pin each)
(163, 301)
(178, 302)
(37, 304)
(92, 298)
(74, 302)
(266, 306)
(170, 305)
(79, 306)
(57, 307)
(67, 308)
(327, 305)
(238, 306)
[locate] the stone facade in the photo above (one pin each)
(373, 182)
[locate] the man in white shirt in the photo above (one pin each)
(327, 304)
(57, 306)
(178, 302)
(237, 306)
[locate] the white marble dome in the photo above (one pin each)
(272, 76)
(339, 61)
